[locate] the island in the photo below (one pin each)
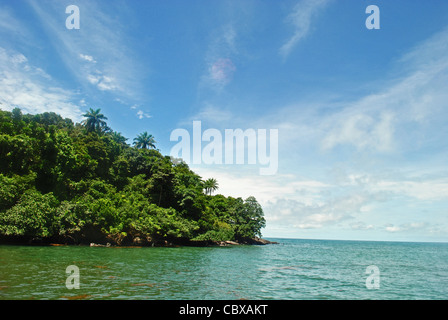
(81, 183)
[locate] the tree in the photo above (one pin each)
(248, 218)
(33, 216)
(210, 185)
(95, 121)
(144, 141)
(118, 137)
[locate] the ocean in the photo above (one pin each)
(294, 269)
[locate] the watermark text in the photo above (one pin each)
(234, 147)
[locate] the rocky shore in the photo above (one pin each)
(136, 241)
(252, 241)
(165, 243)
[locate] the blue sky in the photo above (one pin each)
(361, 114)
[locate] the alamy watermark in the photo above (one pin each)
(235, 146)
(74, 19)
(73, 278)
(373, 280)
(373, 20)
(72, 281)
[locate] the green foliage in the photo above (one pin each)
(249, 218)
(144, 141)
(210, 185)
(33, 215)
(95, 120)
(163, 223)
(12, 188)
(216, 235)
(16, 154)
(72, 217)
(84, 182)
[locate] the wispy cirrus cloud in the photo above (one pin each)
(23, 82)
(96, 54)
(384, 121)
(28, 87)
(10, 26)
(406, 111)
(301, 20)
(221, 71)
(220, 66)
(385, 133)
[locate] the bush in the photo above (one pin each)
(164, 223)
(72, 217)
(11, 189)
(33, 215)
(216, 235)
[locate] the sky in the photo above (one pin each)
(361, 114)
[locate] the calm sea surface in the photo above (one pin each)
(293, 269)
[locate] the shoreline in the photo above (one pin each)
(108, 243)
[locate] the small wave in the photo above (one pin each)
(277, 268)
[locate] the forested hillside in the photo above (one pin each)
(79, 183)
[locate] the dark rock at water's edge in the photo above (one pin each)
(258, 241)
(136, 241)
(248, 241)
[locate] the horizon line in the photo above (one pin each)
(320, 239)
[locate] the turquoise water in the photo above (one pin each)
(293, 269)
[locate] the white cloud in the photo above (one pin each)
(290, 200)
(301, 18)
(29, 88)
(18, 59)
(382, 130)
(361, 130)
(392, 228)
(103, 83)
(402, 110)
(107, 84)
(244, 182)
(407, 111)
(374, 121)
(413, 226)
(142, 115)
(87, 58)
(429, 190)
(93, 79)
(359, 225)
(321, 211)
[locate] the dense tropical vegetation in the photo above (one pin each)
(80, 183)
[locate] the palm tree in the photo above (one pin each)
(145, 141)
(118, 137)
(210, 185)
(95, 121)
